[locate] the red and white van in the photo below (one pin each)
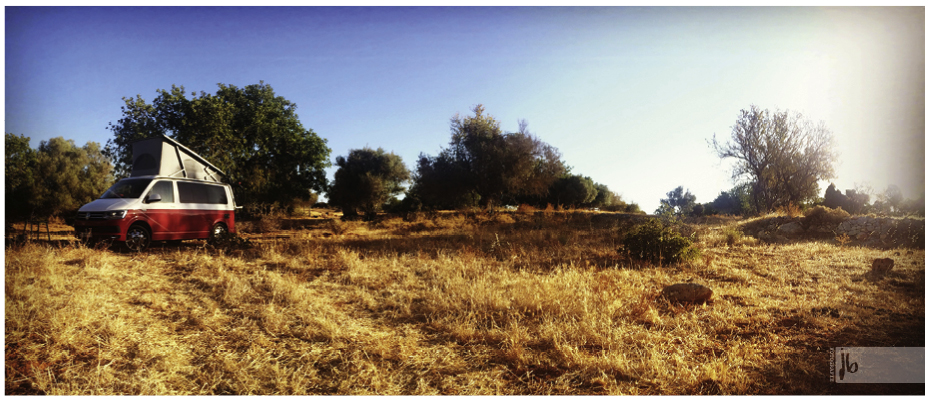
(172, 194)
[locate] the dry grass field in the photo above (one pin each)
(453, 304)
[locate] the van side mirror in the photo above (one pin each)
(153, 198)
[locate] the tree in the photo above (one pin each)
(604, 197)
(781, 154)
(736, 201)
(890, 200)
(853, 201)
(442, 182)
(366, 180)
(573, 190)
(858, 202)
(19, 177)
(249, 133)
(69, 176)
(485, 163)
(833, 198)
(678, 201)
(56, 179)
(633, 208)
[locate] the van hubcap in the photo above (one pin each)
(218, 232)
(136, 239)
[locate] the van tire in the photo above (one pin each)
(218, 232)
(137, 238)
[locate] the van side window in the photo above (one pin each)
(165, 190)
(190, 192)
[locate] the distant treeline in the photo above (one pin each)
(274, 162)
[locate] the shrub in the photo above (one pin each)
(698, 210)
(732, 236)
(822, 215)
(789, 210)
(658, 242)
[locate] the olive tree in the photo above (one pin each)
(679, 202)
(781, 154)
(19, 184)
(366, 179)
(56, 179)
(486, 164)
(573, 190)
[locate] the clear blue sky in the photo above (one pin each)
(630, 96)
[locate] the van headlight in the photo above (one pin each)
(114, 214)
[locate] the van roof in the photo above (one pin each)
(165, 177)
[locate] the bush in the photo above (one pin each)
(698, 210)
(658, 242)
(821, 216)
(732, 236)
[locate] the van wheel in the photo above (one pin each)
(218, 233)
(137, 238)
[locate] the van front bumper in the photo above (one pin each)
(98, 229)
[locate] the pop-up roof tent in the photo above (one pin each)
(166, 157)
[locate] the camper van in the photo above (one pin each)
(172, 194)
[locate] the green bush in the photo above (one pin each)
(658, 242)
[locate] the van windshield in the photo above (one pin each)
(128, 188)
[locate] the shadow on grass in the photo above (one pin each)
(807, 370)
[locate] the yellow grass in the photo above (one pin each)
(525, 303)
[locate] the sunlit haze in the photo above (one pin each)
(631, 96)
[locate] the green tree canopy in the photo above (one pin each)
(781, 154)
(19, 176)
(250, 133)
(442, 182)
(736, 201)
(573, 190)
(366, 179)
(679, 201)
(485, 163)
(56, 179)
(604, 196)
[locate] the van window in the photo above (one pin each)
(127, 188)
(190, 192)
(165, 190)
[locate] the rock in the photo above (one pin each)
(791, 228)
(883, 265)
(823, 229)
(687, 292)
